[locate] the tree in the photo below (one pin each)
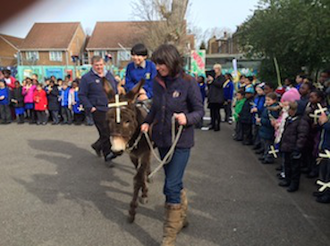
(165, 22)
(296, 32)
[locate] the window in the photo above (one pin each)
(55, 55)
(101, 53)
(32, 55)
(124, 55)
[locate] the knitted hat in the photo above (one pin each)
(291, 95)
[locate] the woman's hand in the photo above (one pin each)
(181, 118)
(145, 127)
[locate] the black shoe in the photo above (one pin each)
(292, 188)
(261, 158)
(318, 193)
(312, 175)
(110, 157)
(323, 199)
(284, 183)
(97, 150)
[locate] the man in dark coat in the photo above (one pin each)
(94, 99)
(216, 96)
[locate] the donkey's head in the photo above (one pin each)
(123, 118)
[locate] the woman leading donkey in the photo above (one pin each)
(177, 95)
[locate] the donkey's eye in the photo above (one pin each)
(127, 122)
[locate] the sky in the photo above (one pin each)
(205, 14)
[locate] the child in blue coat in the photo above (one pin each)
(258, 107)
(4, 104)
(140, 68)
(266, 131)
(228, 91)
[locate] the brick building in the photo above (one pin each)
(52, 44)
(9, 46)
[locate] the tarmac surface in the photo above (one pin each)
(54, 191)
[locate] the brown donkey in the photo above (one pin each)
(124, 119)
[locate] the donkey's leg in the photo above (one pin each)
(137, 187)
(145, 165)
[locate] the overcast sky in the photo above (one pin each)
(205, 14)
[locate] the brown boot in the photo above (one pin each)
(172, 224)
(184, 208)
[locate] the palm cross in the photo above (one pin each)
(117, 104)
(317, 113)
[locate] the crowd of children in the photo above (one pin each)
(292, 123)
(54, 101)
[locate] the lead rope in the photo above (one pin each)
(169, 155)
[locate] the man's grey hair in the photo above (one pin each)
(96, 59)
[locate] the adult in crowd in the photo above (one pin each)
(94, 99)
(140, 68)
(216, 96)
(176, 94)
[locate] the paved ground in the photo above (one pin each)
(56, 192)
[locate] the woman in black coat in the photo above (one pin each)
(216, 96)
(53, 102)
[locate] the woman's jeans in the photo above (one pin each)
(174, 172)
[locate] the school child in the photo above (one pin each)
(324, 195)
(228, 91)
(291, 95)
(266, 131)
(257, 108)
(17, 100)
(4, 103)
(316, 99)
(53, 102)
(140, 68)
(292, 144)
(78, 116)
(40, 105)
(246, 116)
(66, 101)
(28, 91)
(240, 100)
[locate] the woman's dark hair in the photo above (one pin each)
(167, 54)
(139, 50)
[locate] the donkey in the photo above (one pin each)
(124, 134)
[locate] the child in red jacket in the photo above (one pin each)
(40, 105)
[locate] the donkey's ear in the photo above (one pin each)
(108, 88)
(133, 94)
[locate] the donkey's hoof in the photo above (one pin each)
(130, 219)
(143, 200)
(150, 180)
